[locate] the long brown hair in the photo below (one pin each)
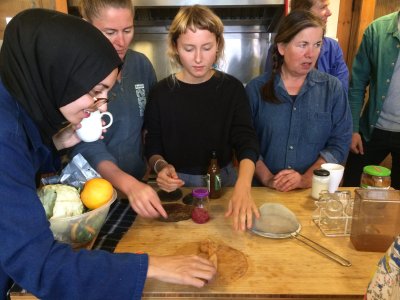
(291, 25)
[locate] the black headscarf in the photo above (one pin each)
(49, 59)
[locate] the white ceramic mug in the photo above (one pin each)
(335, 177)
(92, 127)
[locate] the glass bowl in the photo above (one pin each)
(80, 231)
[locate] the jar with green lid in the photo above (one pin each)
(375, 177)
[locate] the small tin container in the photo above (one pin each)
(375, 177)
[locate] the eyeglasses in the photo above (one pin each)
(97, 103)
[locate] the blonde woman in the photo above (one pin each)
(119, 156)
(198, 110)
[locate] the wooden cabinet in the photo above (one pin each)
(9, 8)
(354, 18)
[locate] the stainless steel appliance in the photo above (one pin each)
(249, 30)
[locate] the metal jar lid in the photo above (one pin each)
(376, 170)
(321, 172)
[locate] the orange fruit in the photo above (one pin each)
(96, 192)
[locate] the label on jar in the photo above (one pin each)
(217, 182)
(364, 186)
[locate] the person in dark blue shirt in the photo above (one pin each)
(54, 69)
(119, 156)
(301, 115)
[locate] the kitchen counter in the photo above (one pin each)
(276, 268)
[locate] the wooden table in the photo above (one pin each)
(278, 269)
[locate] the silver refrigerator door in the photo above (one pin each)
(244, 56)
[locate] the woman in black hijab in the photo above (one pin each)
(45, 68)
(52, 66)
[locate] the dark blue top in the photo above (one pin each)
(29, 255)
(330, 60)
(294, 133)
(122, 143)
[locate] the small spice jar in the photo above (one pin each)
(320, 182)
(200, 212)
(375, 177)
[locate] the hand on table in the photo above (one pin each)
(142, 198)
(145, 201)
(242, 207)
(184, 269)
(168, 180)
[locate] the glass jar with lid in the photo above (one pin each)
(320, 182)
(375, 177)
(200, 212)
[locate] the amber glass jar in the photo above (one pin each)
(375, 177)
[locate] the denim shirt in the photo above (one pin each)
(373, 68)
(331, 61)
(293, 134)
(28, 253)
